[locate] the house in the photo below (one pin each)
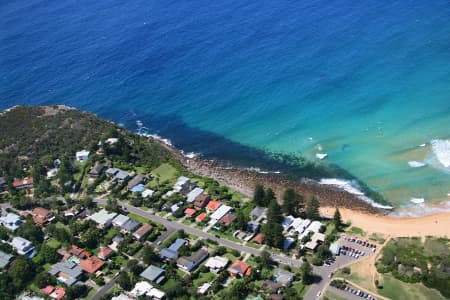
(52, 173)
(201, 217)
(316, 239)
(174, 208)
(71, 212)
(227, 219)
(54, 293)
(111, 172)
(204, 288)
(141, 289)
(25, 183)
(284, 277)
(82, 155)
(2, 184)
(22, 246)
(253, 226)
(219, 213)
(156, 294)
(66, 272)
(147, 193)
(191, 262)
(201, 201)
(42, 216)
(143, 232)
(138, 188)
(104, 253)
(258, 212)
(120, 220)
(111, 141)
(182, 186)
(135, 181)
(189, 212)
(103, 218)
(92, 264)
(192, 195)
(131, 226)
(288, 242)
(271, 286)
(78, 252)
(312, 227)
(172, 251)
(259, 238)
(121, 176)
(96, 170)
(153, 274)
(121, 297)
(287, 221)
(217, 263)
(11, 221)
(5, 259)
(239, 268)
(213, 205)
(335, 248)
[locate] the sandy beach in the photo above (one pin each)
(435, 225)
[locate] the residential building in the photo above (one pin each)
(227, 220)
(153, 274)
(258, 212)
(121, 176)
(143, 232)
(213, 205)
(189, 212)
(217, 263)
(138, 188)
(71, 212)
(79, 252)
(135, 181)
(54, 293)
(52, 173)
(288, 242)
(259, 238)
(92, 264)
(219, 213)
(82, 155)
(22, 246)
(284, 277)
(253, 226)
(103, 218)
(316, 239)
(11, 221)
(42, 216)
(111, 172)
(66, 272)
(120, 220)
(156, 294)
(2, 184)
(5, 259)
(130, 226)
(141, 289)
(147, 193)
(192, 195)
(201, 217)
(96, 170)
(204, 288)
(21, 184)
(239, 268)
(191, 262)
(104, 253)
(172, 251)
(182, 186)
(201, 201)
(271, 286)
(312, 227)
(122, 297)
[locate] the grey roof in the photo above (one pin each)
(135, 181)
(194, 194)
(172, 251)
(120, 220)
(112, 171)
(21, 245)
(4, 259)
(102, 217)
(2, 181)
(117, 239)
(177, 244)
(131, 225)
(69, 268)
(283, 276)
(152, 273)
(121, 175)
(194, 260)
(258, 211)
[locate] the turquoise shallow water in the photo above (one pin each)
(368, 82)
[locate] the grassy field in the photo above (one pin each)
(356, 230)
(138, 218)
(165, 172)
(53, 243)
(333, 296)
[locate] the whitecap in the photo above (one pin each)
(417, 200)
(416, 164)
(441, 149)
(422, 145)
(321, 155)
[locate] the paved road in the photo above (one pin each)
(104, 289)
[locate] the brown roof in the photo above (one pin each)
(227, 219)
(105, 252)
(78, 252)
(259, 238)
(240, 267)
(25, 182)
(96, 169)
(41, 215)
(143, 230)
(92, 264)
(201, 200)
(135, 181)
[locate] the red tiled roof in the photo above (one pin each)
(201, 217)
(227, 219)
(48, 289)
(259, 238)
(58, 294)
(189, 211)
(105, 252)
(40, 211)
(22, 182)
(213, 205)
(241, 267)
(79, 252)
(92, 264)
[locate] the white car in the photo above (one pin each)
(318, 294)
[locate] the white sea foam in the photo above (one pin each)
(321, 155)
(417, 200)
(422, 145)
(416, 164)
(441, 149)
(352, 188)
(189, 154)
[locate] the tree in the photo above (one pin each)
(312, 209)
(269, 196)
(337, 219)
(149, 255)
(31, 232)
(21, 272)
(46, 254)
(258, 195)
(241, 220)
(112, 205)
(43, 279)
(124, 281)
(134, 267)
(306, 273)
(291, 202)
(273, 229)
(265, 259)
(90, 238)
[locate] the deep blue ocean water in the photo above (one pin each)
(364, 82)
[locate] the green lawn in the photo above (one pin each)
(52, 242)
(356, 230)
(138, 218)
(165, 172)
(203, 277)
(333, 296)
(300, 288)
(399, 290)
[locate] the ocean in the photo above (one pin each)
(367, 83)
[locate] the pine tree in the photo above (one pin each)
(258, 195)
(291, 202)
(273, 229)
(269, 196)
(306, 272)
(337, 219)
(312, 209)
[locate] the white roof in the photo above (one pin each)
(141, 288)
(174, 208)
(52, 173)
(120, 220)
(216, 262)
(121, 297)
(156, 293)
(314, 226)
(112, 141)
(102, 217)
(181, 181)
(194, 194)
(82, 153)
(147, 193)
(219, 213)
(203, 288)
(21, 245)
